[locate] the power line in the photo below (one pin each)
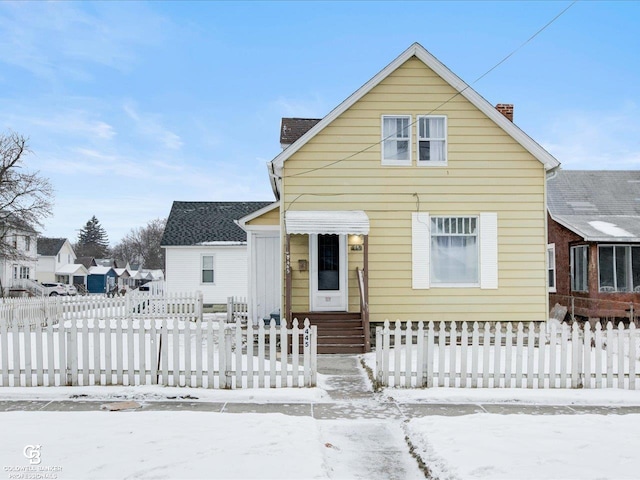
(443, 103)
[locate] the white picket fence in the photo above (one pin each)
(170, 352)
(237, 308)
(534, 355)
(38, 312)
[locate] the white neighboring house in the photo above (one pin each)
(56, 263)
(17, 273)
(205, 250)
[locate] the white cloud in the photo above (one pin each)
(150, 126)
(55, 39)
(595, 140)
(76, 123)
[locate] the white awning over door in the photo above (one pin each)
(335, 222)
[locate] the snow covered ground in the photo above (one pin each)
(211, 445)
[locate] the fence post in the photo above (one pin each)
(573, 309)
(229, 309)
(575, 357)
(199, 306)
(228, 340)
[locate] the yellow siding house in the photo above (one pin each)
(414, 199)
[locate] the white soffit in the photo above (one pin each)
(341, 222)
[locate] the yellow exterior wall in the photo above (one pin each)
(272, 217)
(487, 171)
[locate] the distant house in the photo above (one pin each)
(54, 254)
(594, 242)
(206, 250)
(17, 271)
(101, 279)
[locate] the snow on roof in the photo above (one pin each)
(610, 229)
(71, 269)
(99, 270)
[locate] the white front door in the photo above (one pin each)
(328, 273)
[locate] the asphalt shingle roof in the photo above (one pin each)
(599, 205)
(49, 247)
(291, 129)
(195, 223)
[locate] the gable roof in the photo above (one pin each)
(100, 270)
(201, 223)
(49, 247)
(291, 129)
(88, 262)
(448, 76)
(600, 206)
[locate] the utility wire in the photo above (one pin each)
(443, 103)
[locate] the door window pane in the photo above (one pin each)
(328, 262)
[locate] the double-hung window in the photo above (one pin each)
(579, 265)
(432, 140)
(207, 269)
(396, 139)
(551, 266)
(619, 268)
(27, 243)
(454, 251)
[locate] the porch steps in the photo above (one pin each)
(338, 332)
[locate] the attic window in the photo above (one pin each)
(432, 140)
(396, 139)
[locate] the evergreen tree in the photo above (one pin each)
(92, 240)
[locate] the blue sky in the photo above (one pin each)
(130, 106)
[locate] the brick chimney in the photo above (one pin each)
(506, 109)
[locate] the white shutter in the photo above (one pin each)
(488, 250)
(420, 242)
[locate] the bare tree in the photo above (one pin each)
(142, 245)
(26, 198)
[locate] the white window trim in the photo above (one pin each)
(551, 247)
(405, 163)
(487, 252)
(431, 163)
(202, 268)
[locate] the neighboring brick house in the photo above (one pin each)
(594, 242)
(206, 250)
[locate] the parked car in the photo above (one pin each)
(71, 290)
(54, 289)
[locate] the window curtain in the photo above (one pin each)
(394, 129)
(432, 134)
